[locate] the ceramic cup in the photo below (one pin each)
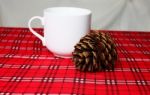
(63, 28)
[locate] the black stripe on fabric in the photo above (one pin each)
(64, 78)
(4, 33)
(130, 61)
(53, 73)
(16, 44)
(122, 50)
(75, 89)
(116, 90)
(49, 76)
(142, 81)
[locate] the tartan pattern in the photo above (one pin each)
(27, 67)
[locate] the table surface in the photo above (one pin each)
(27, 67)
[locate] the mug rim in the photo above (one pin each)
(67, 11)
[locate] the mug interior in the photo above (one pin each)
(67, 11)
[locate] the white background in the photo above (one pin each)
(107, 14)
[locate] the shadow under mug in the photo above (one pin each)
(63, 28)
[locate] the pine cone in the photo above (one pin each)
(95, 52)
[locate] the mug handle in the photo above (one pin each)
(34, 32)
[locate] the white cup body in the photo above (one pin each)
(63, 28)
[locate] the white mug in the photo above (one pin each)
(63, 28)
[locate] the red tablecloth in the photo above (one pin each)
(27, 67)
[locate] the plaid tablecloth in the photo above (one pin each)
(27, 67)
